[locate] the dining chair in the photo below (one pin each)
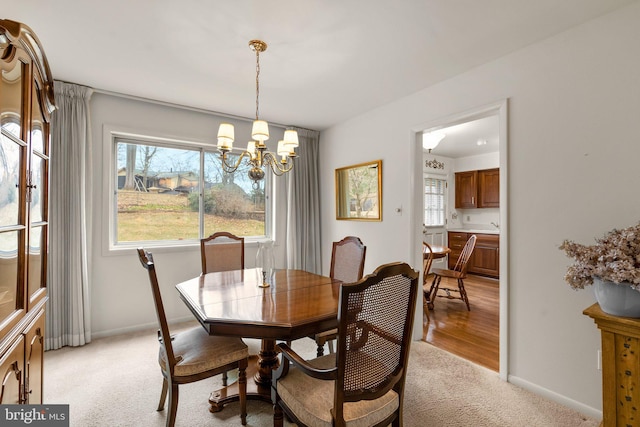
(347, 265)
(222, 251)
(193, 355)
(427, 260)
(362, 383)
(459, 273)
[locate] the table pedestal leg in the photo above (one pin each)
(260, 368)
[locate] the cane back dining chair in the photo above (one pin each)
(347, 265)
(362, 383)
(459, 273)
(193, 355)
(222, 251)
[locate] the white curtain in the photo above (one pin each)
(68, 308)
(303, 206)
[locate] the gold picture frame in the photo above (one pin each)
(359, 192)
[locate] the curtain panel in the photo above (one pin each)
(68, 307)
(303, 206)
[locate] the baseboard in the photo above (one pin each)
(555, 397)
(140, 327)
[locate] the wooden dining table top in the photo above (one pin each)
(295, 305)
(438, 251)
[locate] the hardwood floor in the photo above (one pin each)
(472, 335)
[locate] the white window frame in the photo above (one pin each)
(111, 136)
(443, 210)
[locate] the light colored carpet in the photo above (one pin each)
(116, 381)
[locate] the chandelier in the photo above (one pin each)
(256, 154)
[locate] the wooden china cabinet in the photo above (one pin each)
(26, 104)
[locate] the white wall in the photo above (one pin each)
(574, 103)
(120, 291)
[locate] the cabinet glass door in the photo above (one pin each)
(37, 183)
(13, 151)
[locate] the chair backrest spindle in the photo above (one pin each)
(463, 259)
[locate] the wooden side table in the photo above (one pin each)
(620, 367)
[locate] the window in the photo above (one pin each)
(158, 195)
(434, 201)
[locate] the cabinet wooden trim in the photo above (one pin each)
(620, 337)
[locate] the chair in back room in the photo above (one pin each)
(459, 273)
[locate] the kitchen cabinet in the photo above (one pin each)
(466, 190)
(26, 104)
(485, 259)
(489, 188)
(477, 189)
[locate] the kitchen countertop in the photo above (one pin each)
(473, 230)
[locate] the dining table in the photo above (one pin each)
(438, 251)
(296, 304)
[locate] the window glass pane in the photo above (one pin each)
(8, 272)
(158, 194)
(37, 181)
(10, 154)
(154, 185)
(231, 202)
(37, 122)
(11, 99)
(434, 208)
(36, 237)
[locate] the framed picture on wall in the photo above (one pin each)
(359, 192)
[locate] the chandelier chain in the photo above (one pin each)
(257, 82)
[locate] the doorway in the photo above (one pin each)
(470, 152)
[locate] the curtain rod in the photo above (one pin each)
(186, 107)
(179, 106)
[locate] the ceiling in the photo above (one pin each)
(461, 140)
(326, 61)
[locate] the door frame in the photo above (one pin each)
(499, 108)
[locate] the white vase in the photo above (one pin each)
(617, 299)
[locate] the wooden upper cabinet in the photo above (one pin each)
(466, 189)
(478, 189)
(489, 188)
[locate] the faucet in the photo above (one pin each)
(495, 225)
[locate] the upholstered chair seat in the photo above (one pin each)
(198, 352)
(312, 399)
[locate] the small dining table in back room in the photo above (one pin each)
(297, 304)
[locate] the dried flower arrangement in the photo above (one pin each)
(614, 258)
